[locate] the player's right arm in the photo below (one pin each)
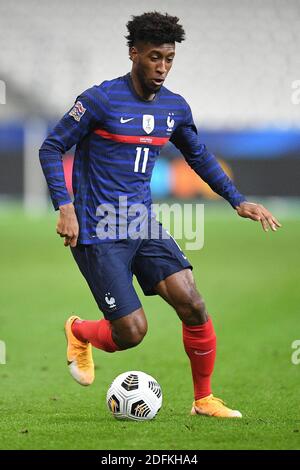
(87, 111)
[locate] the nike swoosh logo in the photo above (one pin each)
(123, 121)
(200, 353)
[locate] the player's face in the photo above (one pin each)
(152, 64)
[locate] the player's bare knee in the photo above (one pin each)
(132, 338)
(199, 313)
(129, 331)
(193, 311)
(131, 335)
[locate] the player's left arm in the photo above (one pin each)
(186, 139)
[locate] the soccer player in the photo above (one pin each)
(119, 128)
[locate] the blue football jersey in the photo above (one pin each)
(118, 138)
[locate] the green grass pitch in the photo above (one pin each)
(251, 283)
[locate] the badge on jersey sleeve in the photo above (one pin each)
(148, 123)
(77, 111)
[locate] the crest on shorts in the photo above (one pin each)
(111, 301)
(148, 123)
(77, 111)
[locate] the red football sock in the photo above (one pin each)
(98, 333)
(200, 345)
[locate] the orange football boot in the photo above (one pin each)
(79, 356)
(212, 406)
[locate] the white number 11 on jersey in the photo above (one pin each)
(138, 157)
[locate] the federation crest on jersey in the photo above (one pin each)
(77, 111)
(170, 122)
(148, 123)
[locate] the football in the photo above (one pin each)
(134, 395)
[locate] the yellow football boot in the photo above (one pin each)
(212, 406)
(79, 356)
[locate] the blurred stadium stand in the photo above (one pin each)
(236, 69)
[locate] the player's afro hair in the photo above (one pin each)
(155, 28)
